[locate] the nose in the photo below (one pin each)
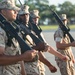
(15, 11)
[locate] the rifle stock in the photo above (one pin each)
(62, 26)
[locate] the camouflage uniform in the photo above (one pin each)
(35, 14)
(14, 49)
(32, 67)
(9, 69)
(37, 67)
(41, 68)
(66, 68)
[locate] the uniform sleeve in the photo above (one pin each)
(2, 38)
(58, 36)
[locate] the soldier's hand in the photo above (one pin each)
(53, 69)
(65, 58)
(47, 48)
(40, 46)
(29, 55)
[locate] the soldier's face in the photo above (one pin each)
(25, 18)
(36, 20)
(10, 15)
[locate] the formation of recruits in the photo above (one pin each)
(13, 62)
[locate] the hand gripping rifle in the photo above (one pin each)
(11, 31)
(62, 26)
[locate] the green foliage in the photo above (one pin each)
(44, 8)
(0, 0)
(67, 8)
(54, 27)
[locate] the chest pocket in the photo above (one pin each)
(13, 49)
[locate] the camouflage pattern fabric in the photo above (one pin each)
(66, 68)
(24, 9)
(14, 69)
(32, 67)
(34, 14)
(41, 68)
(8, 4)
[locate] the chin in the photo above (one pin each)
(14, 18)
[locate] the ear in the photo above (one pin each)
(3, 11)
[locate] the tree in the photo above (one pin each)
(0, 0)
(41, 5)
(44, 9)
(67, 8)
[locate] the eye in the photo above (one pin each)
(23, 15)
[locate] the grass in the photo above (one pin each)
(54, 27)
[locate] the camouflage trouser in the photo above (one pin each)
(66, 68)
(42, 73)
(32, 68)
(41, 68)
(10, 70)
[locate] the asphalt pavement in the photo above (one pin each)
(50, 40)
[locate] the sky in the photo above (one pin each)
(56, 2)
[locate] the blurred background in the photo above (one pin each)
(60, 6)
(50, 40)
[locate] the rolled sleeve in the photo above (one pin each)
(58, 36)
(58, 39)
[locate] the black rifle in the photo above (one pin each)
(62, 26)
(35, 39)
(36, 29)
(26, 31)
(11, 31)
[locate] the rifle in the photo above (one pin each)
(36, 29)
(35, 39)
(11, 31)
(25, 31)
(61, 25)
(20, 2)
